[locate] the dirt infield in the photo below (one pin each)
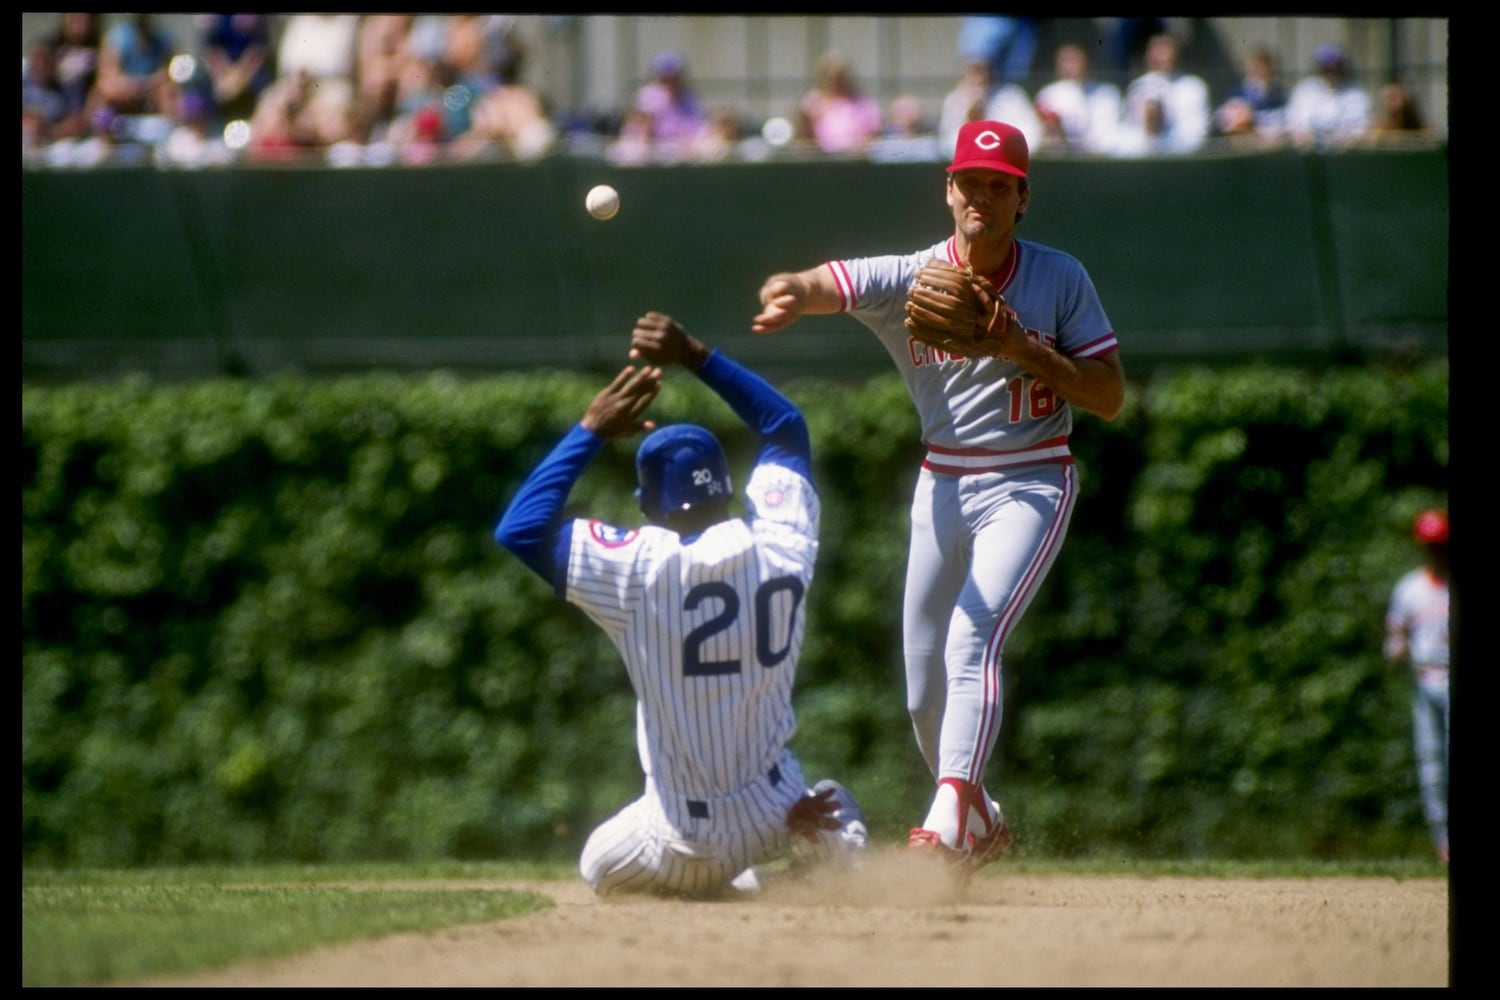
(883, 926)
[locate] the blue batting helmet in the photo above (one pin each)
(680, 467)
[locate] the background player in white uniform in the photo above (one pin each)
(1416, 637)
(708, 612)
(994, 497)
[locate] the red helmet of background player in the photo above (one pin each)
(988, 145)
(1431, 527)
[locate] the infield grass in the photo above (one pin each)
(97, 928)
(85, 928)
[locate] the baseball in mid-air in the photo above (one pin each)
(603, 201)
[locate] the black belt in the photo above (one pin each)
(698, 809)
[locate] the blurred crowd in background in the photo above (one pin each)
(380, 89)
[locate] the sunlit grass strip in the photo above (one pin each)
(91, 934)
(289, 873)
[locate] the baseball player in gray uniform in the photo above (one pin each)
(1416, 638)
(708, 612)
(995, 494)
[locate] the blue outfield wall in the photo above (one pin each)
(487, 267)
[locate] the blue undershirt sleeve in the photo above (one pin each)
(532, 527)
(781, 426)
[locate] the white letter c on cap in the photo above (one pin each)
(988, 140)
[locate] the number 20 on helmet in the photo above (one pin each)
(680, 467)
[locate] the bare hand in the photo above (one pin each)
(616, 411)
(782, 299)
(661, 340)
(813, 812)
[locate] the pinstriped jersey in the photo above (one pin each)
(984, 403)
(710, 629)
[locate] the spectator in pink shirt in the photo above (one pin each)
(677, 117)
(836, 115)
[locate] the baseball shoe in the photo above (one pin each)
(747, 881)
(990, 846)
(931, 841)
(977, 849)
(950, 861)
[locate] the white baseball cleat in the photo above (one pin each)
(746, 881)
(853, 835)
(849, 844)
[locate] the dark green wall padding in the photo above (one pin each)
(497, 267)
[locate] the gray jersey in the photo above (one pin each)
(995, 495)
(1418, 612)
(710, 631)
(1418, 615)
(990, 405)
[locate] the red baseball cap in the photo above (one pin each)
(1431, 527)
(988, 145)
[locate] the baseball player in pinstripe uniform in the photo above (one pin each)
(707, 611)
(995, 494)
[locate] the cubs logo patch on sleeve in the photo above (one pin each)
(610, 536)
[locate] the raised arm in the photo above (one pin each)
(661, 340)
(786, 296)
(532, 527)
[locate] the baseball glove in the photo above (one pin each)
(944, 308)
